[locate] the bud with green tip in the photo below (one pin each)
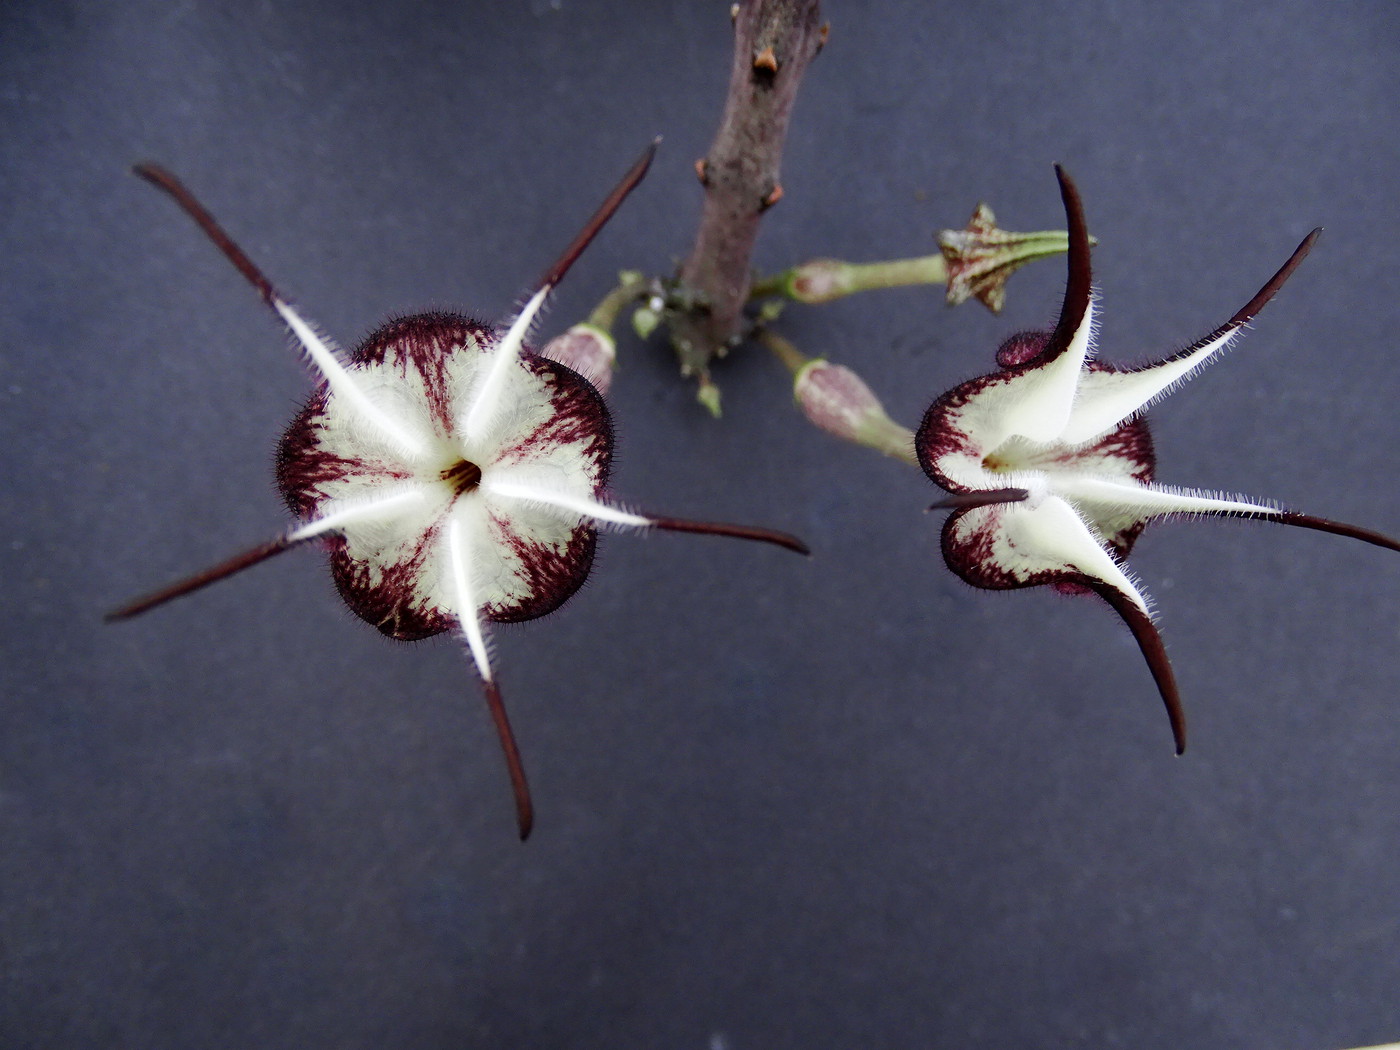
(588, 350)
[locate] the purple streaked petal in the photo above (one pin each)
(397, 588)
(952, 455)
(558, 425)
(422, 357)
(310, 475)
(1032, 402)
(1011, 545)
(537, 560)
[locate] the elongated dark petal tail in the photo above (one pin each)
(1249, 310)
(605, 211)
(524, 808)
(1337, 528)
(223, 570)
(1271, 287)
(742, 532)
(1081, 276)
(176, 190)
(1150, 642)
(959, 500)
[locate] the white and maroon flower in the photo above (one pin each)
(455, 477)
(1051, 466)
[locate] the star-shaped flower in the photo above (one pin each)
(1051, 466)
(455, 477)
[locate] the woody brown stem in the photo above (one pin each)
(774, 41)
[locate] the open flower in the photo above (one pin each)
(455, 477)
(1051, 468)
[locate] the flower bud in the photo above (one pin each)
(837, 400)
(588, 350)
(819, 281)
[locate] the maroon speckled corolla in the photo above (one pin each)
(455, 476)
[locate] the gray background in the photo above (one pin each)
(847, 802)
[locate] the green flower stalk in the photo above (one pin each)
(973, 262)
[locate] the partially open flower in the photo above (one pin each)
(1051, 467)
(981, 256)
(455, 477)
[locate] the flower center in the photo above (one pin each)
(997, 463)
(463, 476)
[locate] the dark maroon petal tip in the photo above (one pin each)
(1338, 528)
(961, 500)
(524, 808)
(605, 211)
(1247, 312)
(223, 570)
(742, 532)
(1080, 284)
(1150, 642)
(176, 190)
(1274, 283)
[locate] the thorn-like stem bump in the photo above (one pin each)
(766, 60)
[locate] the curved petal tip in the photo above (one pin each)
(1154, 652)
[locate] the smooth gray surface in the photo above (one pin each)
(847, 802)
